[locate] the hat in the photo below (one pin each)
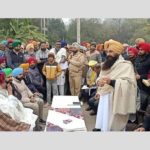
(144, 46)
(32, 60)
(133, 50)
(115, 46)
(7, 71)
(92, 63)
(83, 48)
(29, 46)
(34, 43)
(63, 43)
(139, 40)
(17, 71)
(2, 77)
(9, 40)
(77, 45)
(125, 45)
(2, 59)
(51, 55)
(25, 66)
(16, 43)
(4, 42)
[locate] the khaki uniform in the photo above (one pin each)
(76, 63)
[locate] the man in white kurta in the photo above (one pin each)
(60, 56)
(11, 106)
(118, 90)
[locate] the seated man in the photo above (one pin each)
(36, 77)
(13, 116)
(145, 126)
(93, 104)
(28, 81)
(90, 81)
(29, 100)
(8, 80)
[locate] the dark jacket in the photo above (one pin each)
(142, 66)
(14, 60)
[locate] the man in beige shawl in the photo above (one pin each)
(117, 92)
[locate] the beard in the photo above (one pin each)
(109, 62)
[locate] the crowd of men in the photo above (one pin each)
(112, 78)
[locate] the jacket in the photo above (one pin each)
(51, 71)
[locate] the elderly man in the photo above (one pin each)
(13, 116)
(28, 99)
(76, 61)
(118, 90)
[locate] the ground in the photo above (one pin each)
(90, 120)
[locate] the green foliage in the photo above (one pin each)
(20, 29)
(92, 29)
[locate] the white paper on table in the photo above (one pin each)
(65, 102)
(57, 118)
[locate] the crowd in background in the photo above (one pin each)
(36, 71)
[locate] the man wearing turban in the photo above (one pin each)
(142, 65)
(30, 51)
(9, 80)
(139, 40)
(132, 55)
(15, 57)
(13, 116)
(36, 77)
(28, 99)
(2, 62)
(117, 90)
(76, 62)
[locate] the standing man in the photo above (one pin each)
(118, 90)
(42, 56)
(60, 57)
(93, 54)
(76, 62)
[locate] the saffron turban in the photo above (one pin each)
(29, 46)
(113, 45)
(25, 66)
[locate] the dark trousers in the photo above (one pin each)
(43, 91)
(93, 103)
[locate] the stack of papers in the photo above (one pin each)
(66, 122)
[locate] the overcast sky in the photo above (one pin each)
(66, 20)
